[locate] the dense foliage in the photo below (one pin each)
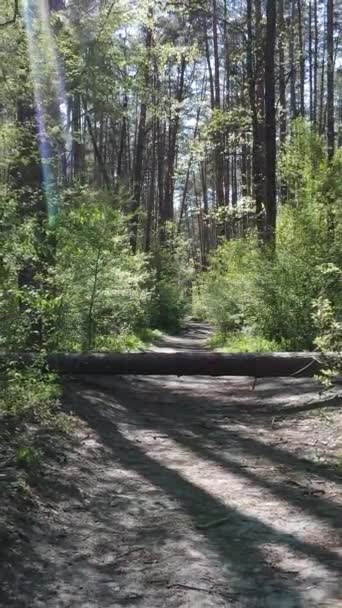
(276, 296)
(143, 144)
(97, 294)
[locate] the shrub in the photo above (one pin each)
(329, 337)
(271, 296)
(199, 305)
(173, 273)
(29, 392)
(104, 289)
(228, 288)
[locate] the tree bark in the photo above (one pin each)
(301, 57)
(255, 72)
(282, 88)
(97, 153)
(257, 365)
(216, 57)
(151, 198)
(322, 106)
(121, 165)
(206, 232)
(167, 214)
(270, 122)
(330, 79)
(210, 71)
(315, 66)
(310, 64)
(293, 69)
(77, 151)
(219, 148)
(282, 80)
(140, 146)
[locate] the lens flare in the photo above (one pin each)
(49, 97)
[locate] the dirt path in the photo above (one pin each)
(187, 492)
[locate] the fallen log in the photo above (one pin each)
(256, 365)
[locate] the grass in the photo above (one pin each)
(239, 342)
(128, 342)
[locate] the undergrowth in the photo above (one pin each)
(242, 343)
(128, 342)
(29, 403)
(260, 298)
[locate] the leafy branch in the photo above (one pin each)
(15, 15)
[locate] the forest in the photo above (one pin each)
(169, 159)
(170, 192)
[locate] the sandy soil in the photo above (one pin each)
(184, 492)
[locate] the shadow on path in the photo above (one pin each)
(240, 543)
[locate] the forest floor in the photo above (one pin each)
(193, 492)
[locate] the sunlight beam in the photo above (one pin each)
(49, 97)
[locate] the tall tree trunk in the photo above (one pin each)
(315, 66)
(210, 71)
(244, 180)
(219, 148)
(293, 68)
(152, 210)
(282, 80)
(206, 240)
(161, 158)
(226, 160)
(77, 156)
(97, 153)
(322, 92)
(255, 72)
(151, 197)
(270, 122)
(310, 64)
(216, 57)
(138, 175)
(330, 104)
(234, 179)
(282, 88)
(121, 165)
(167, 214)
(301, 57)
(330, 79)
(140, 146)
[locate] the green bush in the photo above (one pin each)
(87, 285)
(88, 290)
(243, 343)
(173, 272)
(329, 337)
(104, 289)
(270, 295)
(168, 306)
(28, 392)
(227, 290)
(199, 310)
